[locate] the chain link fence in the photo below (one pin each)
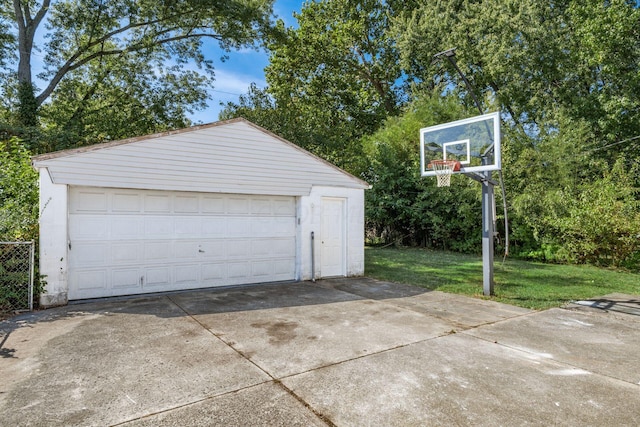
(16, 276)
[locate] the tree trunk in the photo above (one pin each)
(27, 26)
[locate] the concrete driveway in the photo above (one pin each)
(347, 352)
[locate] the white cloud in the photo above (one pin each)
(228, 87)
(243, 67)
(235, 82)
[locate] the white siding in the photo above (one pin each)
(53, 240)
(232, 157)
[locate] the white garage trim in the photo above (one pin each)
(124, 241)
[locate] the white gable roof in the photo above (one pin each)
(235, 156)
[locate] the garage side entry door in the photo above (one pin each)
(124, 242)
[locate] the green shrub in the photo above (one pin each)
(18, 193)
(570, 206)
(18, 220)
(401, 206)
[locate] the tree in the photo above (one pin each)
(145, 41)
(340, 50)
(403, 207)
(570, 206)
(334, 78)
(538, 59)
(18, 193)
(134, 106)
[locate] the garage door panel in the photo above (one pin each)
(126, 202)
(277, 226)
(273, 248)
(214, 272)
(213, 227)
(136, 241)
(89, 201)
(91, 280)
(157, 251)
(126, 227)
(239, 269)
(89, 227)
(125, 253)
(89, 254)
(282, 268)
(186, 250)
(213, 205)
(157, 203)
(261, 248)
(187, 227)
(261, 207)
(238, 227)
(261, 268)
(128, 279)
(284, 206)
(187, 273)
(213, 249)
(283, 247)
(157, 276)
(158, 227)
(238, 205)
(187, 204)
(238, 249)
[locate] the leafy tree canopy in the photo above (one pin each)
(18, 192)
(538, 59)
(332, 79)
(138, 61)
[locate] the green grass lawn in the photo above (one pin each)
(526, 284)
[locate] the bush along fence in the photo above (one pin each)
(16, 276)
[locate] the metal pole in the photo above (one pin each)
(488, 221)
(32, 250)
(450, 54)
(313, 259)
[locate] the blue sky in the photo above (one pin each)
(234, 76)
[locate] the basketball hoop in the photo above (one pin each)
(444, 169)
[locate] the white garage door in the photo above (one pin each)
(125, 242)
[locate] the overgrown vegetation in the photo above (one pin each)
(116, 69)
(18, 193)
(524, 283)
(404, 208)
(18, 221)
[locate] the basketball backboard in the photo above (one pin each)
(467, 141)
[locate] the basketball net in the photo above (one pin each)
(443, 170)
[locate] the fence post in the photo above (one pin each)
(31, 273)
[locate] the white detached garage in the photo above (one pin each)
(214, 205)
